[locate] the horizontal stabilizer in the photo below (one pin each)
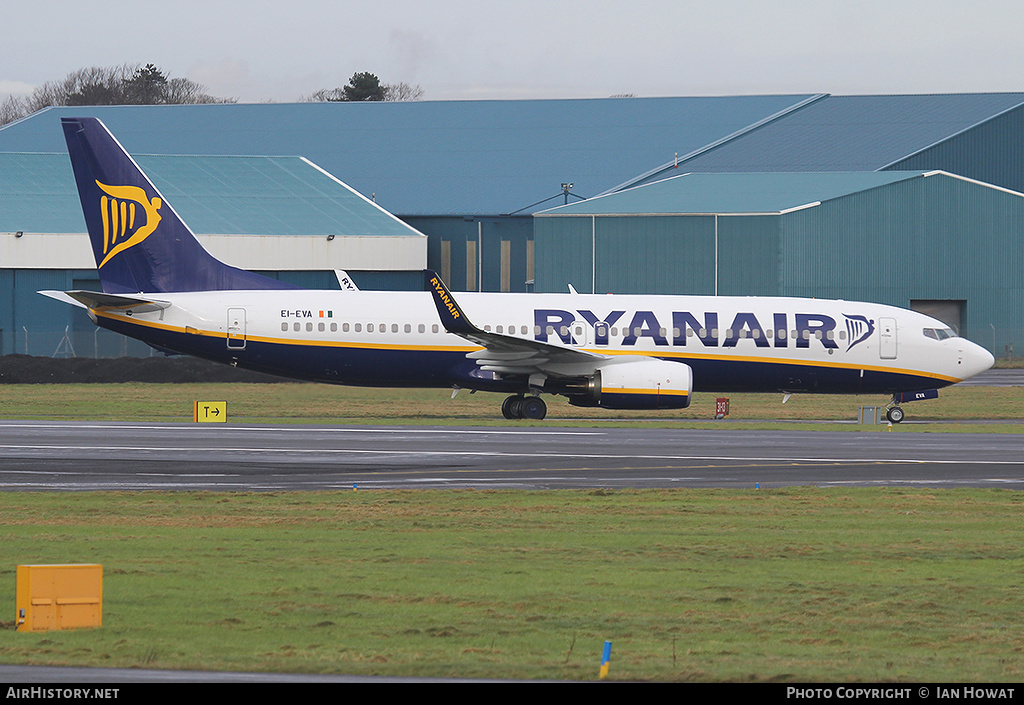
(97, 299)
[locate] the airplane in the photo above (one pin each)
(611, 351)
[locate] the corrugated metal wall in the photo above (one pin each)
(934, 238)
(659, 254)
(478, 253)
(33, 324)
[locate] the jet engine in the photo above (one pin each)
(638, 383)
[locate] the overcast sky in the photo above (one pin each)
(257, 50)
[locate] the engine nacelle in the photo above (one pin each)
(638, 383)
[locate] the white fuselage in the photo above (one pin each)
(732, 343)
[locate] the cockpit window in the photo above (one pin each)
(939, 333)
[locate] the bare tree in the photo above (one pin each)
(113, 85)
(402, 92)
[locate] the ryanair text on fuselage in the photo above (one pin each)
(706, 327)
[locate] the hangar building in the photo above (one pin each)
(808, 195)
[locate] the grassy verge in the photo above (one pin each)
(799, 584)
(317, 403)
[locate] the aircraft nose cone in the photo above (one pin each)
(976, 360)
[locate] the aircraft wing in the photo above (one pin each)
(506, 354)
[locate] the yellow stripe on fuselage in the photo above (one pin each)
(655, 390)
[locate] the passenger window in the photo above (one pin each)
(321, 327)
(284, 326)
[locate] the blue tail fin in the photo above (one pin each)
(140, 243)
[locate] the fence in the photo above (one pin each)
(68, 342)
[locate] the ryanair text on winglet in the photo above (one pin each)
(445, 298)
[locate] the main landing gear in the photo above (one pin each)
(518, 406)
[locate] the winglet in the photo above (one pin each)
(451, 314)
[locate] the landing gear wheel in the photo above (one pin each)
(894, 414)
(519, 407)
(533, 408)
(510, 407)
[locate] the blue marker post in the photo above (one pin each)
(606, 658)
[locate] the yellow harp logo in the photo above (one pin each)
(123, 223)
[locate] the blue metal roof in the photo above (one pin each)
(854, 133)
(214, 195)
(435, 158)
(690, 194)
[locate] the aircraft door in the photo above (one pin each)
(236, 328)
(887, 338)
(580, 332)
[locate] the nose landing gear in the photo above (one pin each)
(894, 414)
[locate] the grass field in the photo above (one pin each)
(796, 584)
(318, 403)
(802, 584)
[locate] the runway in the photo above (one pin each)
(68, 456)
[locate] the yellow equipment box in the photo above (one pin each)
(59, 597)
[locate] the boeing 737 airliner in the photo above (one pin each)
(619, 352)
